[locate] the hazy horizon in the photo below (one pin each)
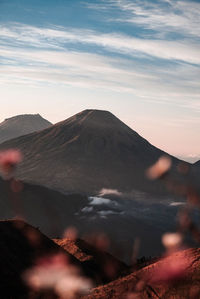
(139, 60)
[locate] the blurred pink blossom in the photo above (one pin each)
(170, 270)
(8, 160)
(55, 273)
(159, 168)
(172, 241)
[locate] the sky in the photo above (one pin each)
(138, 59)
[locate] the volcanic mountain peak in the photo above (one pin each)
(92, 118)
(23, 116)
(96, 126)
(22, 124)
(18, 119)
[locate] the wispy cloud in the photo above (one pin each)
(42, 55)
(96, 71)
(165, 16)
(186, 51)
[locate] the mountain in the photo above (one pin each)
(176, 276)
(87, 152)
(21, 125)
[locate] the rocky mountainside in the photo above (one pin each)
(176, 276)
(21, 125)
(87, 152)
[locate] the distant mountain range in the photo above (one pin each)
(87, 152)
(21, 125)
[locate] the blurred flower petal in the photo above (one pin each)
(159, 168)
(8, 160)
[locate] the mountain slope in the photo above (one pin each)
(197, 163)
(87, 152)
(105, 265)
(21, 125)
(39, 205)
(187, 286)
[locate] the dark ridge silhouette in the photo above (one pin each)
(187, 286)
(87, 152)
(21, 245)
(105, 265)
(21, 125)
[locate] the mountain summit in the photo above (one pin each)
(20, 125)
(85, 153)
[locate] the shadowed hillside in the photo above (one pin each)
(21, 125)
(117, 219)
